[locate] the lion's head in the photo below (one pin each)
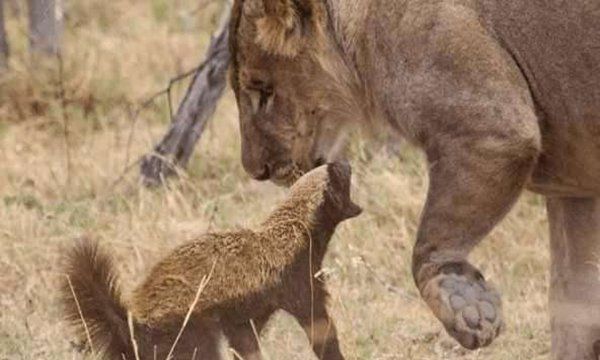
(290, 87)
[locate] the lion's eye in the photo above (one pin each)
(261, 95)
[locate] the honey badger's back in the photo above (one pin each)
(233, 260)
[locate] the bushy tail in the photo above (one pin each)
(92, 300)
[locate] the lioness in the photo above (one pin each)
(501, 95)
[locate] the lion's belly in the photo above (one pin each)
(557, 46)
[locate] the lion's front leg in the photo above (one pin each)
(575, 278)
(472, 187)
(479, 163)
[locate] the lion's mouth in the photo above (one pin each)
(320, 161)
(286, 175)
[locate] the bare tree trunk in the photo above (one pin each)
(44, 27)
(3, 39)
(14, 6)
(196, 108)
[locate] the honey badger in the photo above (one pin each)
(253, 273)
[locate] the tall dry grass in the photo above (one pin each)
(118, 52)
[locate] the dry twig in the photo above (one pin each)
(205, 280)
(65, 113)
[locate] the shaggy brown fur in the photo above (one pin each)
(500, 95)
(254, 273)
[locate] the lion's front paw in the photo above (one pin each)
(469, 308)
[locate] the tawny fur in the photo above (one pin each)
(501, 95)
(253, 273)
(282, 27)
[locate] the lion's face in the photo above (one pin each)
(283, 116)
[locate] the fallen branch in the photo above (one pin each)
(197, 107)
(150, 101)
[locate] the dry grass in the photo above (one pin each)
(117, 52)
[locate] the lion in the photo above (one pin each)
(501, 96)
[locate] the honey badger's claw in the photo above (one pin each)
(470, 309)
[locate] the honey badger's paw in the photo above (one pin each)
(469, 307)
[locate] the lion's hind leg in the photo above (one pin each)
(575, 278)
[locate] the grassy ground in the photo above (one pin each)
(54, 188)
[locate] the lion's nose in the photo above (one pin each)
(255, 160)
(256, 170)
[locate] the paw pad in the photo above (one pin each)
(470, 309)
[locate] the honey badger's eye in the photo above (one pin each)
(261, 95)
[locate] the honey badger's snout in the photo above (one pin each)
(340, 180)
(332, 184)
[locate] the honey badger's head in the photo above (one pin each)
(329, 187)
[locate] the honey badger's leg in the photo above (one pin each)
(319, 328)
(481, 137)
(243, 340)
(575, 282)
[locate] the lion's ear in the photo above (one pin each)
(282, 29)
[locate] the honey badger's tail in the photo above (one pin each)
(92, 300)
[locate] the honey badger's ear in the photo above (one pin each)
(284, 27)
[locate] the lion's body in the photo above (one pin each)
(557, 47)
(405, 49)
(500, 94)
